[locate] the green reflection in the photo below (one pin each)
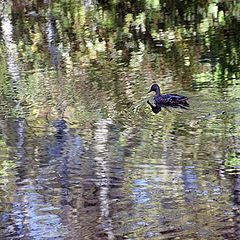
(91, 63)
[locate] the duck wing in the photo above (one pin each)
(171, 100)
(175, 97)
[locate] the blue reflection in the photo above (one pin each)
(60, 137)
(190, 179)
(140, 191)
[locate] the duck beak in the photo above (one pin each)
(149, 90)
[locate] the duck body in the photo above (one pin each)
(168, 100)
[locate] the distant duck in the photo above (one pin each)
(168, 100)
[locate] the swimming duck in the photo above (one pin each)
(168, 100)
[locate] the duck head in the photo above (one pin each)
(155, 88)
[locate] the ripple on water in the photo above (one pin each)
(82, 155)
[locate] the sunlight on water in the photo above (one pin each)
(85, 151)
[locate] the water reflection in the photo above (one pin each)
(158, 107)
(76, 162)
(12, 53)
(51, 38)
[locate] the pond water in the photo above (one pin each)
(82, 155)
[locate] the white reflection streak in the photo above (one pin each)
(12, 54)
(88, 3)
(102, 172)
(51, 33)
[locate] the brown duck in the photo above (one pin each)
(168, 100)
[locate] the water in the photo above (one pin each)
(82, 156)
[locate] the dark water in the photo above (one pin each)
(82, 156)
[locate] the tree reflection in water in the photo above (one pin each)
(75, 162)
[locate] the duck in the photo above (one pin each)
(168, 100)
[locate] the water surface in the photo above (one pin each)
(81, 153)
